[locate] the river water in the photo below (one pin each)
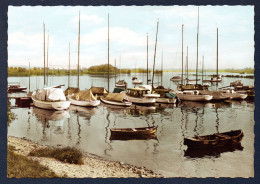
(88, 129)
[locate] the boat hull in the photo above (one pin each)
(194, 97)
(126, 104)
(84, 103)
(59, 105)
(142, 101)
(128, 132)
(166, 100)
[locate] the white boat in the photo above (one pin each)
(216, 78)
(233, 95)
(121, 83)
(50, 98)
(192, 96)
(141, 96)
(137, 81)
(84, 98)
(217, 95)
(166, 100)
(176, 78)
(119, 99)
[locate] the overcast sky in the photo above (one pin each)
(129, 26)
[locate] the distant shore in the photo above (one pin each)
(93, 167)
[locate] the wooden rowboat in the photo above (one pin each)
(133, 132)
(215, 140)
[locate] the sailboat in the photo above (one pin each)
(51, 98)
(135, 80)
(216, 78)
(83, 98)
(191, 92)
(120, 83)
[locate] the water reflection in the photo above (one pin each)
(213, 152)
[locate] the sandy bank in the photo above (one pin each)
(93, 167)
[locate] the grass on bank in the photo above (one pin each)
(19, 166)
(67, 155)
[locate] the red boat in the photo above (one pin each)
(15, 88)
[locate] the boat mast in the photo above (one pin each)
(115, 70)
(187, 61)
(47, 60)
(162, 69)
(197, 49)
(69, 67)
(182, 57)
(108, 55)
(155, 51)
(202, 69)
(147, 61)
(29, 77)
(44, 53)
(217, 56)
(78, 49)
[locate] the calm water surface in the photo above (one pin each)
(89, 130)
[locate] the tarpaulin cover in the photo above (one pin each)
(98, 90)
(118, 97)
(50, 94)
(170, 95)
(84, 96)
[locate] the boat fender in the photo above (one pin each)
(77, 97)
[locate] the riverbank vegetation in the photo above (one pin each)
(103, 69)
(19, 166)
(66, 155)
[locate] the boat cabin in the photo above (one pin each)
(137, 92)
(194, 92)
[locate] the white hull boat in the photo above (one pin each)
(84, 103)
(56, 105)
(234, 95)
(192, 96)
(166, 100)
(126, 104)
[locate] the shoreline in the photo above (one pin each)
(93, 167)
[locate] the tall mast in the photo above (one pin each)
(69, 67)
(44, 53)
(162, 69)
(187, 62)
(182, 56)
(155, 51)
(202, 69)
(197, 49)
(217, 55)
(47, 60)
(108, 54)
(78, 49)
(147, 61)
(115, 70)
(29, 77)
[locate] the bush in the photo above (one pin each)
(67, 155)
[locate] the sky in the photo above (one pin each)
(129, 26)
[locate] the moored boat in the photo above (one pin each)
(176, 79)
(119, 99)
(234, 95)
(50, 98)
(15, 87)
(192, 96)
(141, 96)
(215, 140)
(84, 98)
(121, 83)
(142, 131)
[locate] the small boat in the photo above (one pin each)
(121, 83)
(216, 78)
(141, 96)
(176, 79)
(192, 96)
(119, 99)
(132, 137)
(166, 96)
(216, 95)
(215, 140)
(50, 98)
(236, 83)
(233, 95)
(15, 87)
(190, 86)
(134, 132)
(99, 91)
(137, 81)
(84, 98)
